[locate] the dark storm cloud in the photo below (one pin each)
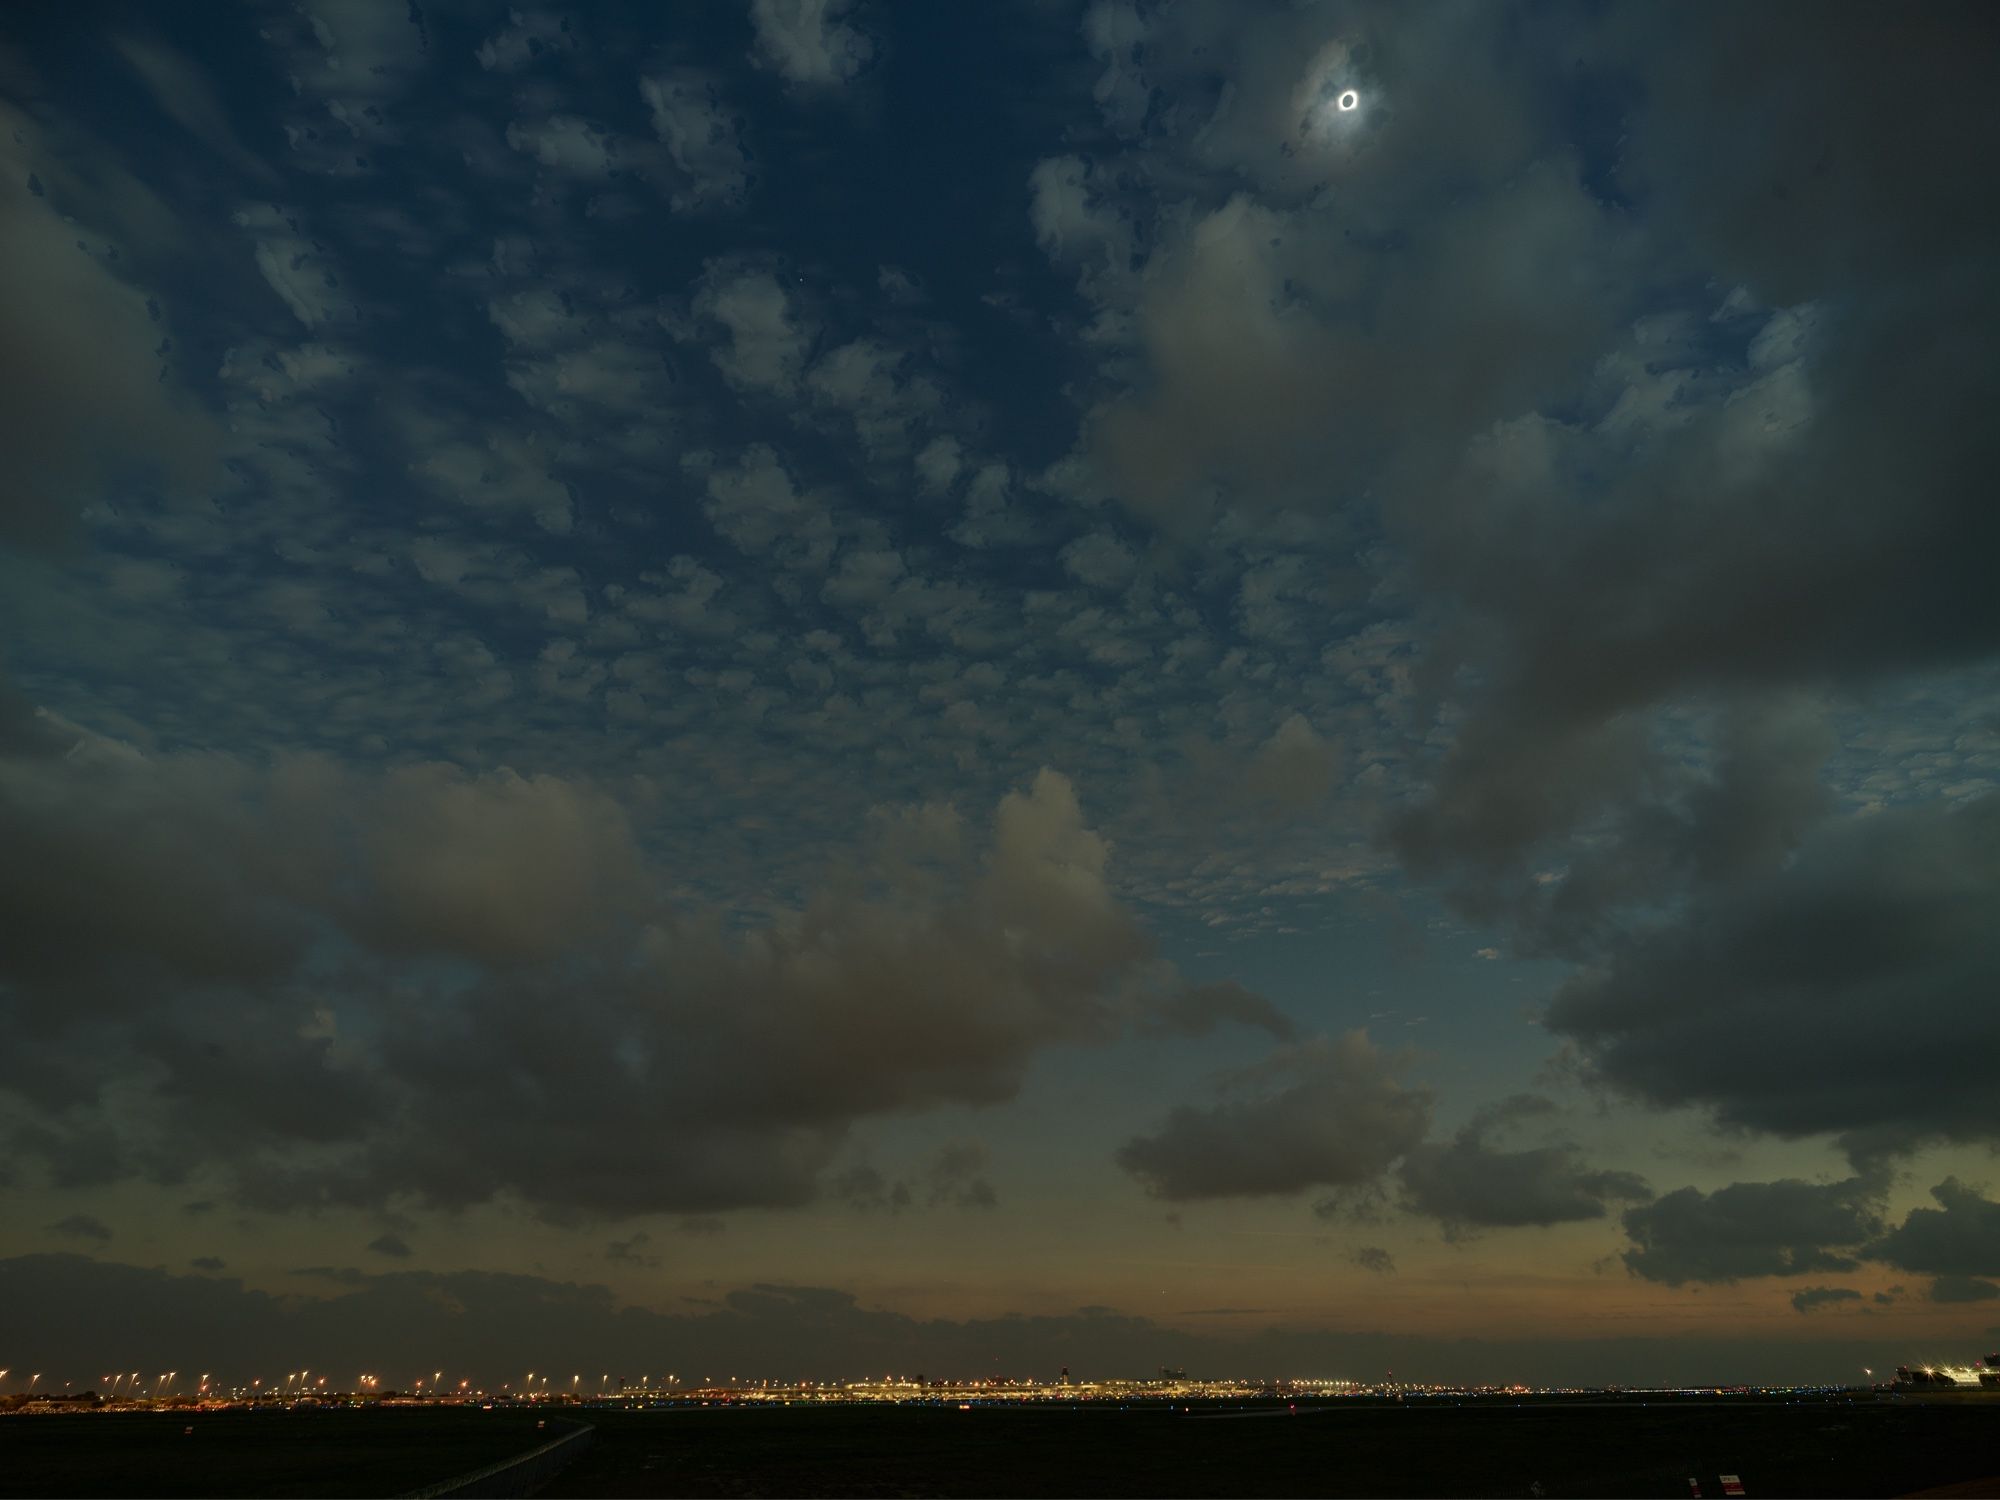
(1784, 1228)
(1815, 997)
(67, 1312)
(1470, 1182)
(1813, 1298)
(1327, 1112)
(701, 1069)
(1960, 1237)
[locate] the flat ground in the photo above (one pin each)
(1431, 1448)
(1610, 1447)
(359, 1451)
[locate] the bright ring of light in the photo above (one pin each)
(1349, 100)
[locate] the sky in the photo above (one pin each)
(817, 684)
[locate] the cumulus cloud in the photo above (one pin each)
(1960, 1237)
(1470, 1182)
(1784, 1228)
(1809, 999)
(699, 1068)
(1294, 769)
(808, 41)
(1328, 1112)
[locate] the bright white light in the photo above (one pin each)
(1348, 100)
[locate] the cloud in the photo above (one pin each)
(1961, 1237)
(1814, 1298)
(954, 1177)
(807, 41)
(186, 98)
(1200, 1008)
(1324, 1112)
(530, 36)
(1374, 1258)
(69, 1311)
(1959, 1289)
(957, 1177)
(567, 145)
(297, 267)
(767, 343)
(252, 936)
(82, 1227)
(1663, 498)
(703, 140)
(631, 1251)
(208, 1263)
(394, 1246)
(866, 1190)
(1294, 769)
(1469, 1183)
(1810, 998)
(1783, 1228)
(82, 348)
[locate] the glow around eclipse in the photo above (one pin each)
(1348, 100)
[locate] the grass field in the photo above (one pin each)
(1435, 1447)
(280, 1453)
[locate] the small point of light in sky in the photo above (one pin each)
(1348, 100)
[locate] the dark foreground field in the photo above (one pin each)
(1603, 1447)
(349, 1452)
(1488, 1448)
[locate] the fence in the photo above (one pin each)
(518, 1476)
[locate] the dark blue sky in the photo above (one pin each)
(994, 657)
